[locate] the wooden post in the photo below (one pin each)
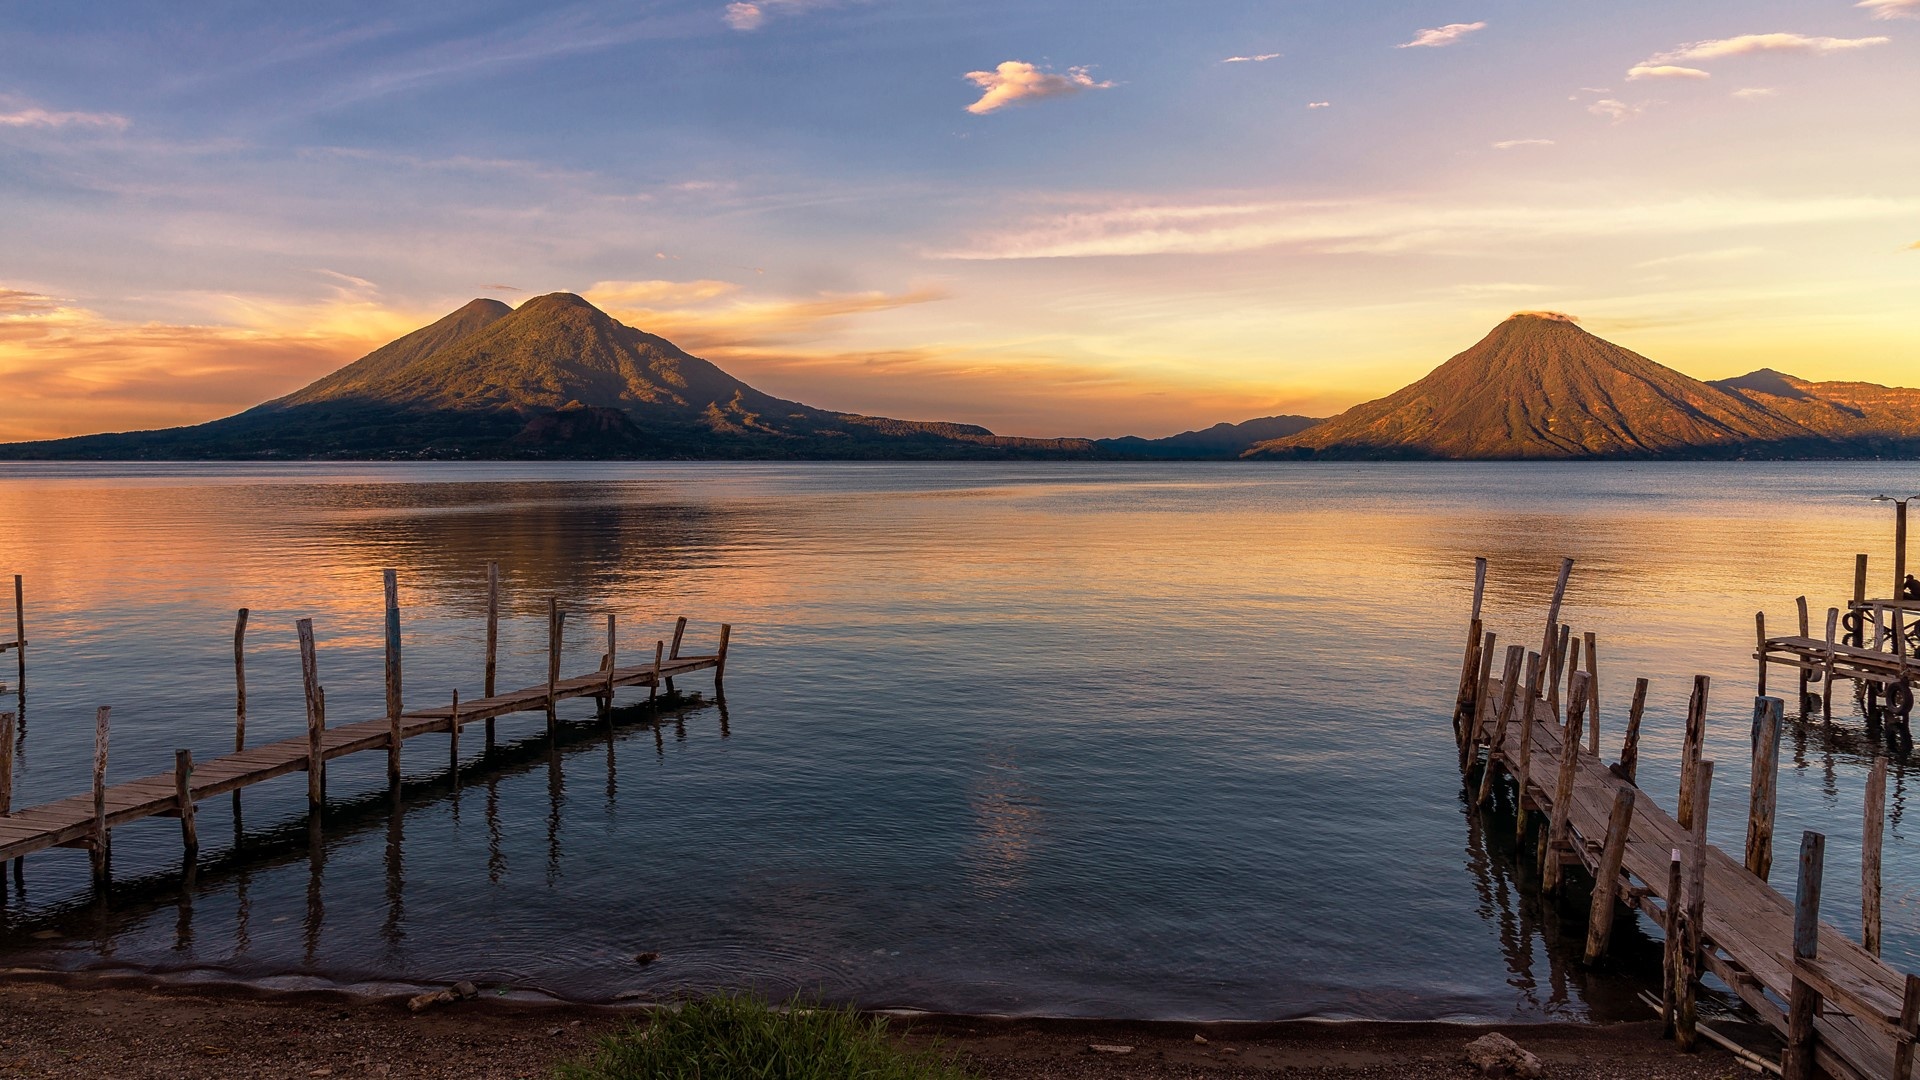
(1670, 958)
(183, 795)
(1899, 546)
(1593, 696)
(1803, 1001)
(20, 630)
(1483, 686)
(1480, 585)
(613, 658)
(1871, 833)
(1826, 689)
(1761, 791)
(1909, 1023)
(453, 738)
(1806, 630)
(1564, 662)
(493, 626)
(720, 664)
(1557, 835)
(6, 764)
(1859, 597)
(1690, 951)
(1521, 777)
(554, 619)
(1463, 699)
(1606, 880)
(394, 707)
(240, 681)
(316, 717)
(1509, 690)
(1630, 746)
(659, 647)
(1553, 608)
(98, 850)
(679, 631)
(1760, 650)
(1690, 749)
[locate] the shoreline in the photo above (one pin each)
(63, 1024)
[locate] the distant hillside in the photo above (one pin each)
(1538, 386)
(556, 377)
(1221, 441)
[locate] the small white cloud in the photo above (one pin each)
(745, 16)
(1509, 144)
(32, 116)
(1746, 44)
(1754, 93)
(1615, 110)
(1016, 80)
(752, 14)
(1442, 35)
(1665, 71)
(1257, 59)
(1892, 9)
(1318, 104)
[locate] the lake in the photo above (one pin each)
(1159, 741)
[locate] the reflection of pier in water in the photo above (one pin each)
(291, 841)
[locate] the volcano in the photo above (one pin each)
(1540, 387)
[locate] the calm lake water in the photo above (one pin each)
(1138, 740)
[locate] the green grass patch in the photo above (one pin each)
(730, 1037)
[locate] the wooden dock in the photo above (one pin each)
(1836, 1004)
(86, 820)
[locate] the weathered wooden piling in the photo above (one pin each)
(6, 764)
(1686, 1023)
(20, 632)
(1695, 738)
(555, 617)
(1670, 966)
(1560, 645)
(1606, 879)
(1558, 843)
(453, 737)
(1826, 686)
(390, 582)
(1630, 745)
(1482, 687)
(493, 637)
(240, 680)
(720, 665)
(1463, 700)
(1873, 829)
(316, 717)
(679, 630)
(653, 689)
(1536, 663)
(98, 848)
(183, 793)
(1553, 608)
(1760, 650)
(1806, 676)
(1509, 690)
(1803, 1003)
(612, 655)
(1593, 695)
(1761, 791)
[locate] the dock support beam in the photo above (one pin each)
(720, 663)
(1606, 880)
(1762, 790)
(6, 764)
(20, 632)
(316, 718)
(679, 631)
(1509, 690)
(1695, 738)
(1630, 746)
(98, 849)
(1559, 838)
(394, 708)
(1873, 829)
(493, 637)
(1593, 695)
(1803, 1002)
(1523, 770)
(183, 795)
(1686, 1025)
(554, 620)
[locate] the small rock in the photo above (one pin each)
(464, 990)
(553, 1032)
(646, 958)
(1108, 1048)
(1228, 1050)
(1201, 1039)
(1494, 1054)
(430, 999)
(322, 1071)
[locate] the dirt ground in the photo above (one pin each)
(128, 1030)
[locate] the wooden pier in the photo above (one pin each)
(1839, 1008)
(87, 820)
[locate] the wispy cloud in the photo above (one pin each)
(1441, 35)
(1752, 93)
(1260, 58)
(752, 14)
(1891, 9)
(1665, 71)
(1511, 144)
(24, 115)
(1746, 44)
(1616, 110)
(1016, 80)
(712, 316)
(1694, 258)
(1318, 104)
(1391, 226)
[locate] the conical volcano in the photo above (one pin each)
(556, 377)
(1539, 386)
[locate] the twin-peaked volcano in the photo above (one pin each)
(556, 377)
(1539, 386)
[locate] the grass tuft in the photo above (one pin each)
(729, 1037)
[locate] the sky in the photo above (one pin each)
(1058, 219)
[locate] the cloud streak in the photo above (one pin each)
(1511, 144)
(1260, 58)
(1439, 36)
(1015, 81)
(1747, 44)
(33, 116)
(1891, 9)
(1665, 71)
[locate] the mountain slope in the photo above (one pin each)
(556, 377)
(1538, 386)
(1221, 441)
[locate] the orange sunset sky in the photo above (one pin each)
(1080, 219)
